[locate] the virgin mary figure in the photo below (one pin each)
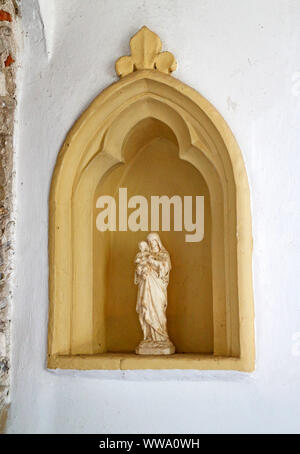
(152, 272)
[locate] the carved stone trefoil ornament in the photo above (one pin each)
(146, 54)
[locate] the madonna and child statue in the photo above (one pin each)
(152, 272)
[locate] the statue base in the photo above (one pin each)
(149, 347)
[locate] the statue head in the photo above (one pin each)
(143, 246)
(157, 247)
(154, 242)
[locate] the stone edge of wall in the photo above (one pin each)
(9, 12)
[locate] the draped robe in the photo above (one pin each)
(152, 298)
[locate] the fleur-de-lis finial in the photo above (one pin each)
(146, 54)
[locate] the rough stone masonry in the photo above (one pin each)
(8, 16)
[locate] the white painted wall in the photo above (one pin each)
(244, 57)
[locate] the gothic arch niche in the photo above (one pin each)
(153, 167)
(148, 116)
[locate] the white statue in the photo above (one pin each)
(153, 267)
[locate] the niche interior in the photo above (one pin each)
(153, 135)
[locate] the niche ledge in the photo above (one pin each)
(115, 361)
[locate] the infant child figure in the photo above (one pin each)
(142, 258)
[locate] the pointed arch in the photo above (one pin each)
(93, 148)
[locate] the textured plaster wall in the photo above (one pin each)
(8, 40)
(245, 58)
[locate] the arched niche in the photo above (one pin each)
(152, 166)
(150, 119)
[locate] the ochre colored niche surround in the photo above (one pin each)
(146, 111)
